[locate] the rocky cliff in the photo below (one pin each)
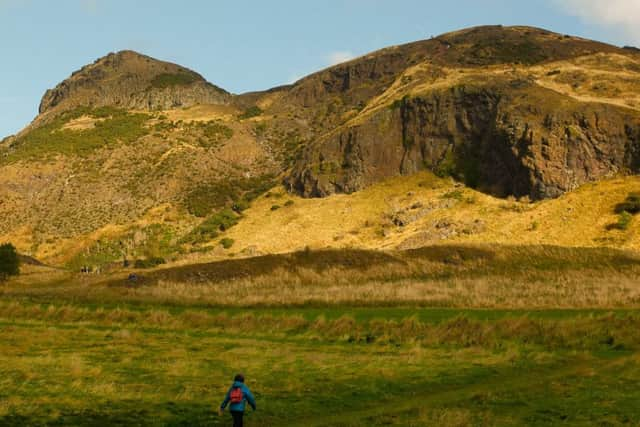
(509, 111)
(132, 81)
(524, 142)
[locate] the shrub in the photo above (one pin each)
(250, 112)
(213, 132)
(166, 80)
(630, 205)
(288, 203)
(624, 220)
(234, 193)
(201, 201)
(227, 242)
(211, 228)
(9, 261)
(149, 262)
(275, 207)
(240, 206)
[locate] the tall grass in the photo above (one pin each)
(455, 277)
(589, 332)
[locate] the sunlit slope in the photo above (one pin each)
(423, 209)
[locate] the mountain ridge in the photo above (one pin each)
(137, 157)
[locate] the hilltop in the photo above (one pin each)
(131, 81)
(429, 142)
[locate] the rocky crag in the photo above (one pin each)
(132, 81)
(509, 111)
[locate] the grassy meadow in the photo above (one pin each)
(445, 335)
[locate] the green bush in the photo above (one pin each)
(211, 228)
(9, 261)
(240, 206)
(624, 221)
(234, 193)
(275, 207)
(288, 203)
(630, 205)
(201, 201)
(166, 80)
(250, 112)
(149, 262)
(227, 242)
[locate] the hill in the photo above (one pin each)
(135, 158)
(131, 81)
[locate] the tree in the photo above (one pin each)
(9, 261)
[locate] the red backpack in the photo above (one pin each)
(236, 395)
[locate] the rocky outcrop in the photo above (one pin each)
(505, 138)
(132, 81)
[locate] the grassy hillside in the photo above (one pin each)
(422, 210)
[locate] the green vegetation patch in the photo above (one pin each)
(626, 211)
(251, 112)
(214, 130)
(234, 193)
(212, 227)
(149, 262)
(506, 51)
(113, 125)
(630, 205)
(227, 243)
(167, 80)
(154, 242)
(9, 261)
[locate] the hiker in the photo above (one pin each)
(237, 395)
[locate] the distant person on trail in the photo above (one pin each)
(237, 395)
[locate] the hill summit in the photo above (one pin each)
(132, 81)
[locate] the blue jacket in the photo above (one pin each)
(247, 397)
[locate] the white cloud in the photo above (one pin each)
(620, 15)
(339, 57)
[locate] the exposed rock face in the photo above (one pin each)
(132, 81)
(506, 138)
(508, 110)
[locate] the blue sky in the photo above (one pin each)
(246, 45)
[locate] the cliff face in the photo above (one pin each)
(524, 142)
(509, 111)
(132, 81)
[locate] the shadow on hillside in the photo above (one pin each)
(474, 259)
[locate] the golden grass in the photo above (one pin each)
(440, 276)
(362, 220)
(588, 289)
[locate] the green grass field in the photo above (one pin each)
(93, 352)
